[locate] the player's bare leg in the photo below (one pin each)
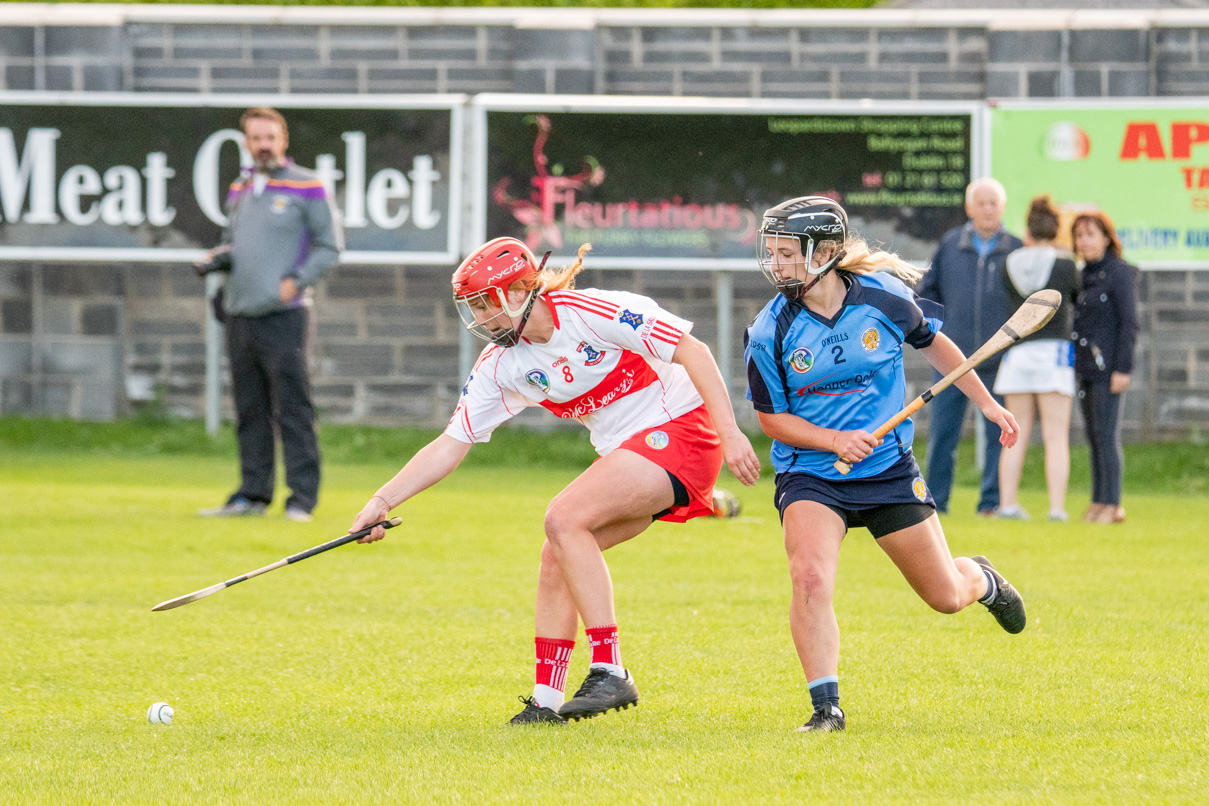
(556, 622)
(612, 501)
(1055, 432)
(1011, 460)
(813, 534)
(948, 584)
(620, 488)
(556, 615)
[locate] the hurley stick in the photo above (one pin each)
(1038, 309)
(293, 558)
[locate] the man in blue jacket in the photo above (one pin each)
(283, 236)
(966, 277)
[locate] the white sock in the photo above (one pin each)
(992, 588)
(547, 697)
(611, 668)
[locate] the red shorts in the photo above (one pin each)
(687, 447)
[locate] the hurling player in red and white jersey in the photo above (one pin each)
(658, 413)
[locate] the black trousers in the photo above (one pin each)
(1102, 423)
(272, 392)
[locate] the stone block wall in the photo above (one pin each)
(90, 341)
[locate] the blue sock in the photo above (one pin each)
(824, 690)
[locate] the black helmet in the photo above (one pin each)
(813, 220)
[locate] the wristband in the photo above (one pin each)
(383, 500)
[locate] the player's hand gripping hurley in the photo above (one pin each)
(293, 558)
(1036, 311)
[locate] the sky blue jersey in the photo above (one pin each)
(845, 373)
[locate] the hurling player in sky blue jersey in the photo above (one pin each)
(825, 369)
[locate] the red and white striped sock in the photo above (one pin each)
(553, 657)
(606, 649)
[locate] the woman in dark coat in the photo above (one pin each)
(1105, 332)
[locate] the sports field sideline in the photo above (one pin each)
(384, 673)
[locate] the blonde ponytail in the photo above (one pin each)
(860, 258)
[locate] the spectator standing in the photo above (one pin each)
(1105, 333)
(282, 236)
(966, 278)
(1038, 373)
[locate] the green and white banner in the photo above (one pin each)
(1144, 164)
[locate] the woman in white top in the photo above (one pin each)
(658, 413)
(1038, 374)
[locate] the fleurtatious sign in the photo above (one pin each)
(651, 188)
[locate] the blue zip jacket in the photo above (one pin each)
(971, 288)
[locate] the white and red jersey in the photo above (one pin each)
(607, 365)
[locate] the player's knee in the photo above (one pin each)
(560, 522)
(810, 582)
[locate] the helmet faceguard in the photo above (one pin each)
(820, 227)
(482, 283)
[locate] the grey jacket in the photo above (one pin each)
(290, 230)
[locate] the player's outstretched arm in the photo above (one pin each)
(945, 356)
(695, 356)
(433, 462)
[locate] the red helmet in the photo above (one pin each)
(484, 277)
(492, 268)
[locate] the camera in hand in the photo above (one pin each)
(220, 261)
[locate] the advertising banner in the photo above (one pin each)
(144, 178)
(686, 188)
(1146, 165)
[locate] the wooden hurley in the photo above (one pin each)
(293, 558)
(1036, 311)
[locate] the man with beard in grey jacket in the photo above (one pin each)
(283, 236)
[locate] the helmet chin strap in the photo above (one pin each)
(835, 262)
(533, 295)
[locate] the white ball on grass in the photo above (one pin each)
(160, 713)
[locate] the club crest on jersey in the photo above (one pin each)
(628, 317)
(537, 378)
(919, 489)
(593, 356)
(657, 440)
(801, 359)
(280, 203)
(871, 339)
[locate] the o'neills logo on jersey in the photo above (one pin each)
(557, 203)
(801, 359)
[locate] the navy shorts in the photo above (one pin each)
(894, 499)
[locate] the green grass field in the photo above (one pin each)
(384, 673)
